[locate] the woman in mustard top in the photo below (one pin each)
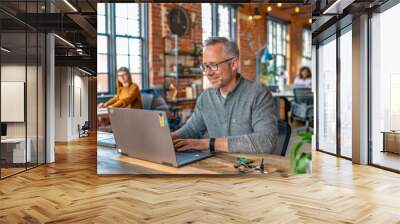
(128, 93)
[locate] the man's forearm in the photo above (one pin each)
(252, 143)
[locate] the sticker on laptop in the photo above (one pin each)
(161, 118)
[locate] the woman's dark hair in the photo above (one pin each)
(307, 69)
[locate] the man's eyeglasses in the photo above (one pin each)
(213, 66)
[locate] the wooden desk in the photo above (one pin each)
(13, 150)
(109, 161)
(391, 141)
(285, 93)
(102, 112)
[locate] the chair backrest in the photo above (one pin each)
(86, 125)
(283, 138)
(282, 103)
(302, 95)
(147, 100)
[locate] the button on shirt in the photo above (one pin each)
(245, 116)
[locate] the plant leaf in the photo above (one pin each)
(302, 164)
(294, 154)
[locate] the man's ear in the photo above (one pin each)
(235, 64)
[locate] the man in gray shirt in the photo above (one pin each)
(236, 114)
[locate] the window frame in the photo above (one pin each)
(112, 51)
(273, 47)
(107, 35)
(305, 56)
(232, 8)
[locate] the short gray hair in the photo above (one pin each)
(230, 47)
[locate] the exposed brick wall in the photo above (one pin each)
(159, 28)
(295, 49)
(252, 35)
(155, 45)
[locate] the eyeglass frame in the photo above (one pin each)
(216, 65)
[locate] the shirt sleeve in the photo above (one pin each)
(195, 126)
(124, 101)
(112, 100)
(265, 127)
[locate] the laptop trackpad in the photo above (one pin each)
(190, 156)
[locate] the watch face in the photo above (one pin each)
(179, 21)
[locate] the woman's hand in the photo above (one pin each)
(101, 105)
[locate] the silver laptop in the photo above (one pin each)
(145, 134)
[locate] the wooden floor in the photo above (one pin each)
(386, 159)
(70, 191)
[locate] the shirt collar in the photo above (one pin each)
(239, 81)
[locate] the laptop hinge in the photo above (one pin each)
(166, 163)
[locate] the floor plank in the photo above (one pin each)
(70, 191)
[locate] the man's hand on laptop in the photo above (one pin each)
(191, 144)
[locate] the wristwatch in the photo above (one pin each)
(212, 145)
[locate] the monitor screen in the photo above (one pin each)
(3, 129)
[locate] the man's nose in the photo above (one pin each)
(208, 72)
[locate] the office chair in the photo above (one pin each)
(279, 102)
(282, 141)
(84, 130)
(153, 99)
(303, 106)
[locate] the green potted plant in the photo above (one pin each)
(268, 74)
(301, 162)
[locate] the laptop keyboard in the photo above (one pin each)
(189, 156)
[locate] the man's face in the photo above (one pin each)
(224, 74)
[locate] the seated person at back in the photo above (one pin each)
(128, 93)
(237, 114)
(303, 79)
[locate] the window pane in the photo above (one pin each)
(133, 27)
(307, 43)
(122, 45)
(346, 94)
(101, 8)
(121, 26)
(135, 64)
(206, 20)
(133, 11)
(121, 10)
(102, 65)
(385, 87)
(102, 44)
(101, 24)
(102, 83)
(135, 47)
(223, 21)
(327, 97)
(122, 61)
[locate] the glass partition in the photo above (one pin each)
(14, 153)
(346, 93)
(22, 77)
(327, 96)
(385, 89)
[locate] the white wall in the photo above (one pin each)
(71, 102)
